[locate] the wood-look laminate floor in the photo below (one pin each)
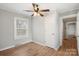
(69, 47)
(33, 49)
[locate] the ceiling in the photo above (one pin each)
(20, 7)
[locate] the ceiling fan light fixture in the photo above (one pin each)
(35, 13)
(38, 14)
(36, 10)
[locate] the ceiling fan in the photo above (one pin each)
(36, 10)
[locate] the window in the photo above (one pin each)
(21, 28)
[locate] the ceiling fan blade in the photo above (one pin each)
(46, 10)
(41, 14)
(32, 15)
(28, 10)
(33, 4)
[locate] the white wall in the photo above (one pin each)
(51, 30)
(7, 29)
(78, 31)
(45, 30)
(38, 29)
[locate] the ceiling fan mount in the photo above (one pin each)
(36, 10)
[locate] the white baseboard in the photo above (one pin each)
(56, 48)
(15, 45)
(52, 46)
(39, 43)
(23, 43)
(27, 42)
(7, 47)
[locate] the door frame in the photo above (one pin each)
(61, 26)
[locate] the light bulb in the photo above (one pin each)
(38, 14)
(35, 13)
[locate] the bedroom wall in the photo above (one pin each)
(7, 29)
(45, 30)
(38, 29)
(52, 30)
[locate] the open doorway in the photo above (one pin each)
(69, 34)
(69, 28)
